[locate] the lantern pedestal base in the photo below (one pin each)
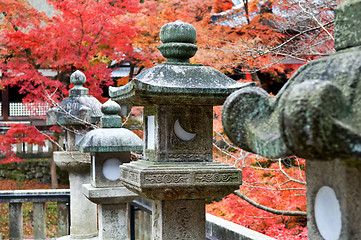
(181, 180)
(179, 190)
(112, 203)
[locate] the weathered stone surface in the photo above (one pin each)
(219, 228)
(16, 221)
(185, 218)
(175, 84)
(99, 160)
(77, 112)
(72, 161)
(170, 181)
(113, 221)
(347, 30)
(178, 171)
(110, 140)
(109, 143)
(108, 195)
(110, 146)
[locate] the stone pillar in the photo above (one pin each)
(83, 213)
(177, 171)
(39, 220)
(16, 221)
(315, 116)
(185, 217)
(77, 113)
(63, 219)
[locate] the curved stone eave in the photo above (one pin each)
(140, 93)
(110, 140)
(250, 121)
(315, 115)
(177, 84)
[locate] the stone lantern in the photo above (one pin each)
(110, 147)
(77, 113)
(177, 172)
(316, 116)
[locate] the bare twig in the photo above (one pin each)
(316, 20)
(291, 179)
(271, 210)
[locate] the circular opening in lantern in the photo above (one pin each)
(328, 213)
(111, 169)
(181, 133)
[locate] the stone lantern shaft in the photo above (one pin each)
(177, 171)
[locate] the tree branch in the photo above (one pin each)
(267, 209)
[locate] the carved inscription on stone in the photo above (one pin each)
(184, 225)
(166, 178)
(217, 177)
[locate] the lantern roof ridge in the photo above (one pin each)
(177, 81)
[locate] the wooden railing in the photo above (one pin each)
(16, 198)
(25, 150)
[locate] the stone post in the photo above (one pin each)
(16, 221)
(77, 113)
(110, 146)
(177, 172)
(315, 116)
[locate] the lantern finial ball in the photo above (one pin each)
(110, 108)
(178, 31)
(78, 78)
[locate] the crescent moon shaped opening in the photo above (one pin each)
(181, 133)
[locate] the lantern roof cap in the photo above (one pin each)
(79, 108)
(177, 81)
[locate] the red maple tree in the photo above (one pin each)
(88, 35)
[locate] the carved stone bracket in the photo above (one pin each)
(316, 115)
(170, 181)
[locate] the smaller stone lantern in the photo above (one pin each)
(110, 147)
(77, 113)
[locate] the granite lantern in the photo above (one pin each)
(177, 172)
(77, 113)
(110, 147)
(316, 116)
